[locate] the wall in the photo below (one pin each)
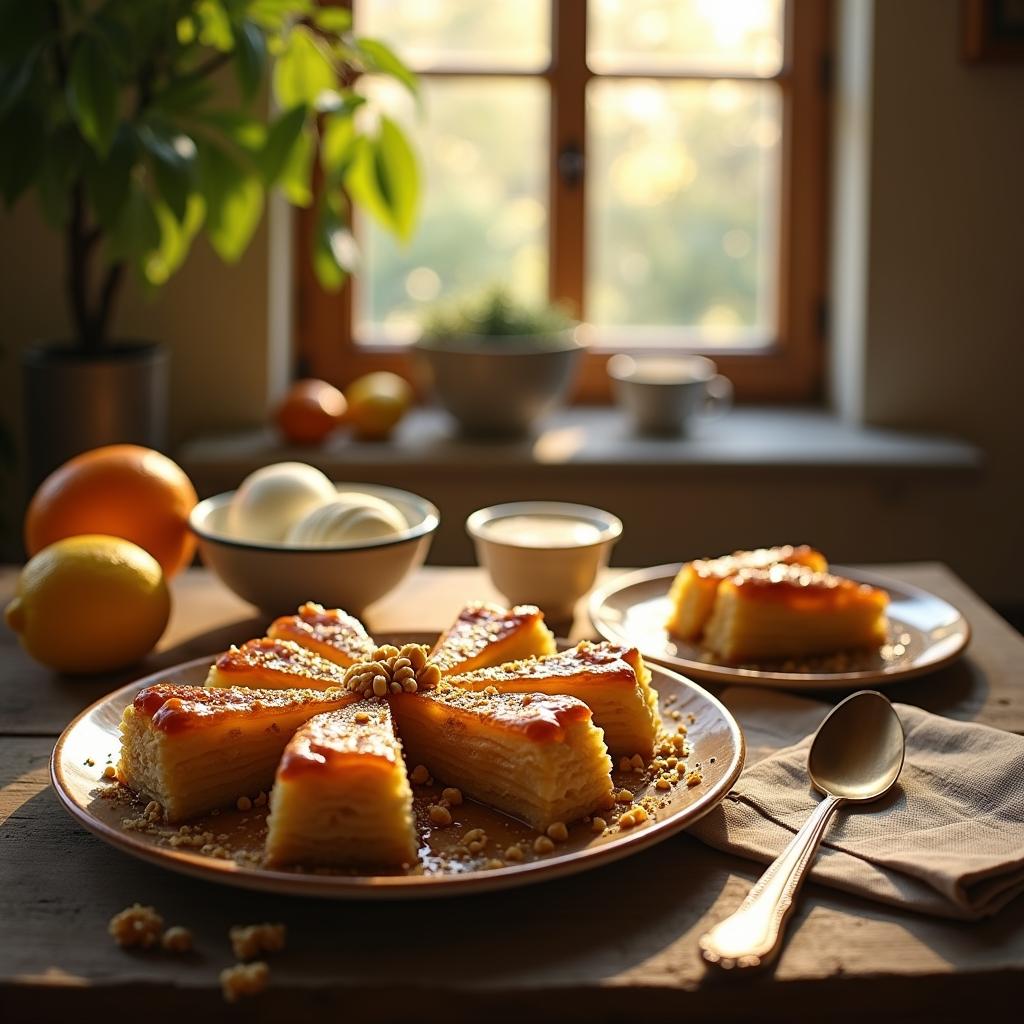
(941, 320)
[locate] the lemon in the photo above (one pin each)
(90, 603)
(376, 403)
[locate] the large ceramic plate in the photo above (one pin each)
(91, 741)
(925, 633)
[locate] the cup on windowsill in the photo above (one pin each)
(666, 395)
(546, 553)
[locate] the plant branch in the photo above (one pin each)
(111, 286)
(78, 269)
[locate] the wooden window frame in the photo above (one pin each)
(788, 369)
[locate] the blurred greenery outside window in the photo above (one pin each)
(627, 157)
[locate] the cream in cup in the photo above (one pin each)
(546, 553)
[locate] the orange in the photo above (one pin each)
(376, 404)
(121, 490)
(310, 411)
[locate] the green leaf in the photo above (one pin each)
(379, 57)
(246, 132)
(335, 253)
(282, 136)
(214, 26)
(92, 93)
(136, 232)
(107, 180)
(234, 200)
(303, 70)
(22, 145)
(173, 158)
(250, 57)
(384, 180)
(276, 14)
(334, 20)
(296, 178)
(62, 158)
(176, 235)
(183, 96)
(15, 76)
(338, 146)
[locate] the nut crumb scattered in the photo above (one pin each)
(694, 779)
(136, 926)
(494, 863)
(260, 800)
(249, 940)
(514, 853)
(632, 817)
(543, 845)
(110, 772)
(177, 940)
(243, 803)
(244, 980)
(420, 776)
(598, 825)
(558, 832)
(452, 795)
(439, 815)
(623, 796)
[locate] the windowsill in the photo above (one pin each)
(599, 437)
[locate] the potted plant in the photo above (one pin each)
(123, 118)
(499, 366)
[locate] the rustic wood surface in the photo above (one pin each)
(619, 943)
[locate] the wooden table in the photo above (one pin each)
(617, 943)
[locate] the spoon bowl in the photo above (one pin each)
(858, 750)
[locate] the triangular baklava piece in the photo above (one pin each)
(274, 664)
(535, 756)
(329, 632)
(487, 634)
(612, 681)
(341, 795)
(193, 748)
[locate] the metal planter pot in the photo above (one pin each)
(75, 401)
(501, 387)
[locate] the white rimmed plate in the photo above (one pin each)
(925, 633)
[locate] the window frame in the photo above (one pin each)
(789, 369)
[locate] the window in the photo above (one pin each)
(657, 165)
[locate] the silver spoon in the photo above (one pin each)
(856, 756)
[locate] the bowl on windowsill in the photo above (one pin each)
(277, 578)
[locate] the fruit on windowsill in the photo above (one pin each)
(90, 604)
(310, 412)
(121, 490)
(376, 404)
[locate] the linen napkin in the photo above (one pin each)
(947, 840)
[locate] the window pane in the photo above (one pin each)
(498, 35)
(703, 36)
(484, 154)
(683, 205)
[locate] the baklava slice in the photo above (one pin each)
(193, 749)
(329, 632)
(789, 611)
(487, 634)
(612, 681)
(693, 591)
(535, 756)
(341, 795)
(274, 664)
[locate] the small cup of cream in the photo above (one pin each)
(546, 553)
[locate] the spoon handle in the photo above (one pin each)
(752, 935)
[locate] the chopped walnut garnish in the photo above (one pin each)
(244, 980)
(249, 940)
(557, 831)
(419, 775)
(439, 815)
(136, 926)
(393, 670)
(452, 795)
(177, 940)
(543, 845)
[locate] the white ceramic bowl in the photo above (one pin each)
(553, 576)
(277, 578)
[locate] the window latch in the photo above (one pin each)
(571, 164)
